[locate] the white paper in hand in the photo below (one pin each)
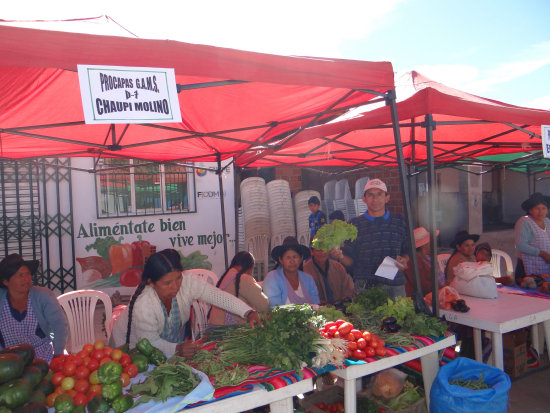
(388, 269)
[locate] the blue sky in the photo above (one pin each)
(496, 49)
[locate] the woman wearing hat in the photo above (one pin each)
(287, 284)
(424, 260)
(29, 314)
(532, 236)
(464, 246)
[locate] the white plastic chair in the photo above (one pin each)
(442, 260)
(200, 308)
(79, 306)
(496, 260)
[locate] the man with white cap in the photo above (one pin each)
(424, 259)
(380, 234)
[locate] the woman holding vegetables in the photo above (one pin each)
(287, 284)
(161, 303)
(237, 280)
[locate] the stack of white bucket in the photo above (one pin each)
(302, 211)
(256, 221)
(281, 211)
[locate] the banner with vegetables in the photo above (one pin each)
(111, 252)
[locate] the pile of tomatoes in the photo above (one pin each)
(361, 344)
(76, 374)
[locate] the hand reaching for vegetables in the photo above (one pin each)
(252, 318)
(187, 349)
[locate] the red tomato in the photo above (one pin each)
(81, 386)
(329, 325)
(380, 351)
(105, 360)
(80, 399)
(88, 347)
(97, 354)
(107, 351)
(374, 337)
(361, 343)
(345, 328)
(337, 334)
(366, 336)
(332, 330)
(374, 343)
(125, 379)
(95, 388)
(93, 365)
(132, 370)
(116, 354)
(125, 359)
(359, 354)
(57, 364)
(70, 392)
(57, 378)
(357, 333)
(381, 343)
(75, 359)
(82, 354)
(69, 368)
(349, 337)
(85, 361)
(352, 345)
(340, 322)
(82, 372)
(369, 351)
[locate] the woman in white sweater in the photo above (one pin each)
(161, 305)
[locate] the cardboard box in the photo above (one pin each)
(515, 352)
(331, 395)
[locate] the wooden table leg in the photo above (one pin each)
(430, 367)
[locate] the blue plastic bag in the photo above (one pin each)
(445, 397)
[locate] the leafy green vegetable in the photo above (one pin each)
(331, 235)
(102, 245)
(330, 313)
(286, 340)
(478, 384)
(174, 378)
(231, 376)
(366, 316)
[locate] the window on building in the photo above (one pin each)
(127, 187)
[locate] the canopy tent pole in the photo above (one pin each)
(418, 299)
(430, 126)
(222, 206)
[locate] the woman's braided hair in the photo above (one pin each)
(243, 259)
(157, 265)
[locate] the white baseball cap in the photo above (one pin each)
(375, 183)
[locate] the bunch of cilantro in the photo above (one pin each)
(332, 235)
(285, 341)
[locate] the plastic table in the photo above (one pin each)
(280, 400)
(506, 313)
(428, 358)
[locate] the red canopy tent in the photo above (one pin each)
(232, 102)
(464, 127)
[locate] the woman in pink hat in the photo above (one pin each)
(424, 259)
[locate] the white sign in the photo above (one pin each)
(545, 133)
(114, 94)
